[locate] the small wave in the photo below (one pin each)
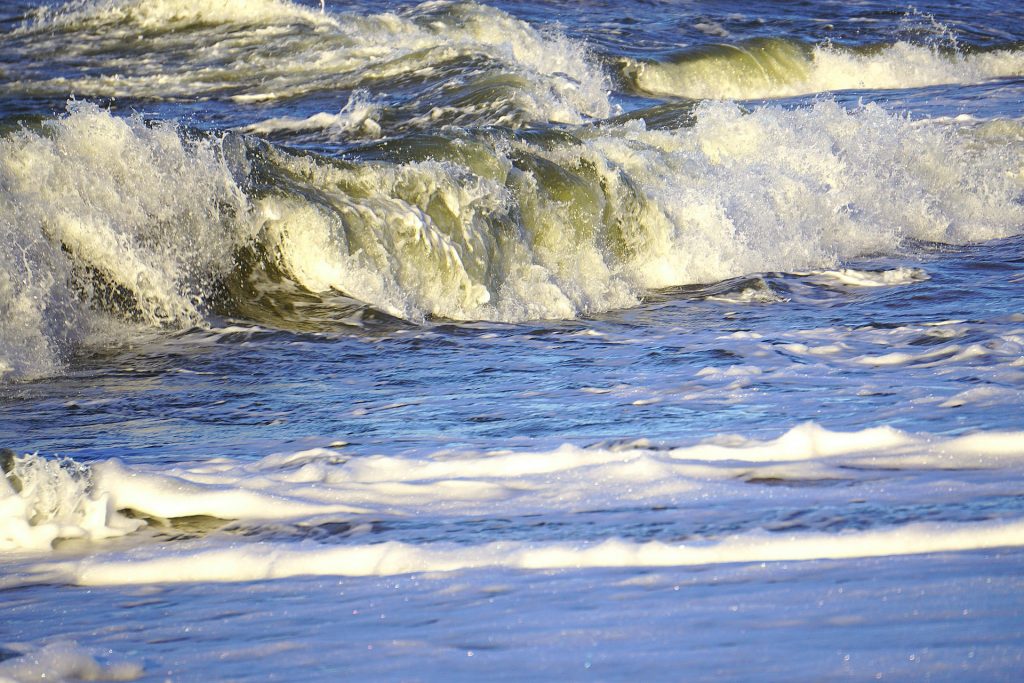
(746, 291)
(172, 15)
(356, 119)
(63, 660)
(775, 68)
(852, 277)
(393, 558)
(44, 501)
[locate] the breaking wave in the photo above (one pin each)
(113, 219)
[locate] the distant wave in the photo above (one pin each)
(110, 219)
(772, 68)
(167, 15)
(451, 62)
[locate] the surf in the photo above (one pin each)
(159, 226)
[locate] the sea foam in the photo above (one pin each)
(319, 486)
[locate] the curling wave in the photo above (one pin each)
(108, 218)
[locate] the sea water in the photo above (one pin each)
(462, 341)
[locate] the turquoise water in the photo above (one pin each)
(523, 340)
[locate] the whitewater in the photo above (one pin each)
(514, 340)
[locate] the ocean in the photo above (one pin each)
(513, 340)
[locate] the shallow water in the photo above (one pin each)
(523, 340)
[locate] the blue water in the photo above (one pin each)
(416, 236)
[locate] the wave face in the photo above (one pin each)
(109, 218)
(774, 68)
(439, 62)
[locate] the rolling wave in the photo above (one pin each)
(775, 68)
(111, 219)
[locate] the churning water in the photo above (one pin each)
(454, 341)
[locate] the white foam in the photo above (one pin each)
(168, 496)
(309, 484)
(948, 354)
(382, 559)
(985, 396)
(43, 500)
(264, 50)
(154, 15)
(750, 295)
(851, 277)
(820, 350)
(356, 119)
(63, 661)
